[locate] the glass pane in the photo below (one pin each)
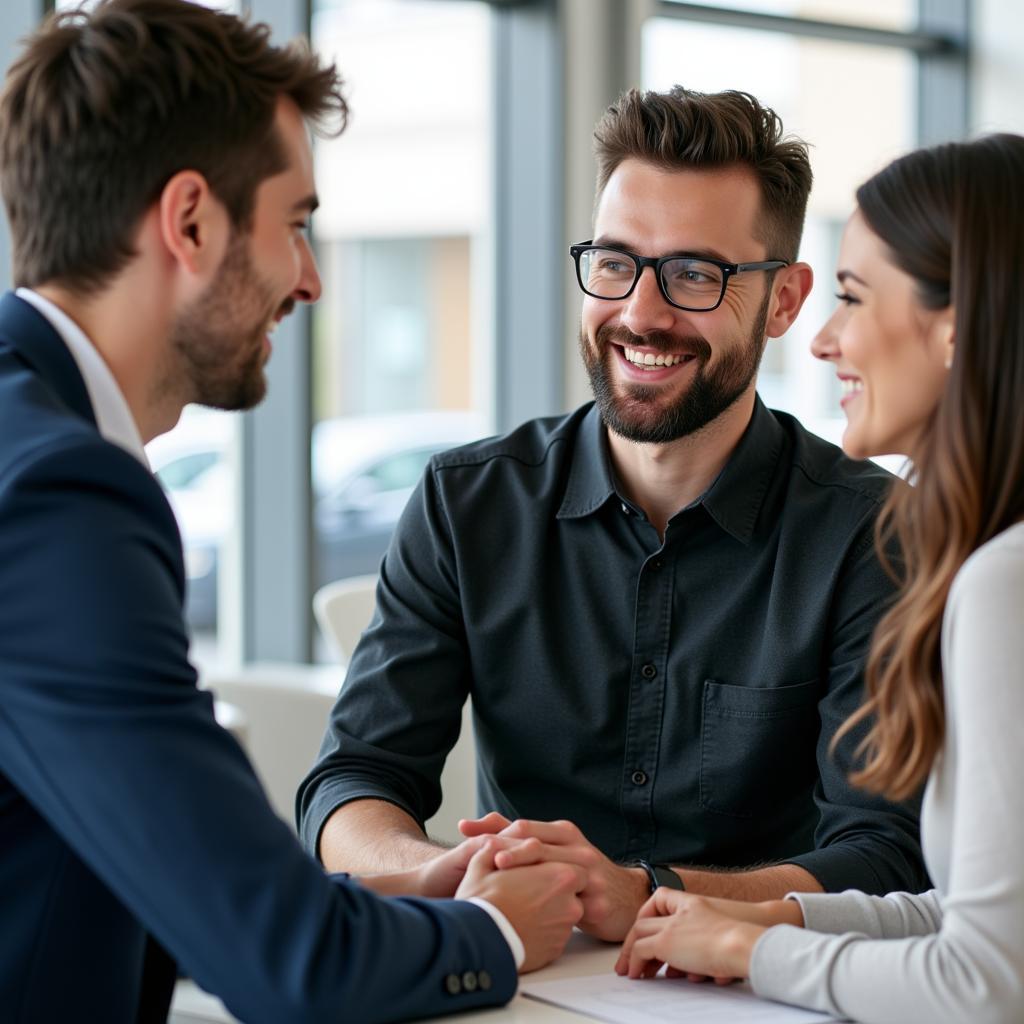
(402, 340)
(194, 463)
(856, 107)
(896, 15)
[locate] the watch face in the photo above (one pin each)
(667, 877)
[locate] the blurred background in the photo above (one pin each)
(450, 310)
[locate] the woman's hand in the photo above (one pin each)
(699, 937)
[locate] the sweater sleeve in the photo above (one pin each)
(902, 957)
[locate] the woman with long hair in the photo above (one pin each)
(928, 344)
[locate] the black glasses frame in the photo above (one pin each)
(729, 270)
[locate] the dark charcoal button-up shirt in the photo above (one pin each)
(676, 700)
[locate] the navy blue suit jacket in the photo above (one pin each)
(127, 815)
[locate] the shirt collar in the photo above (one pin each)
(113, 417)
(591, 482)
(733, 500)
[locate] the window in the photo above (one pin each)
(401, 337)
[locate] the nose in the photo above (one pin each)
(825, 344)
(308, 287)
(646, 310)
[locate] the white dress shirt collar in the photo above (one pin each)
(113, 417)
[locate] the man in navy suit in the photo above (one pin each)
(157, 173)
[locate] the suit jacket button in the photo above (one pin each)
(469, 981)
(452, 984)
(483, 980)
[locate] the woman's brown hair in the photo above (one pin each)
(950, 217)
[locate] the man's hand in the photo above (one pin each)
(541, 902)
(612, 895)
(442, 875)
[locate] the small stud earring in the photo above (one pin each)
(949, 362)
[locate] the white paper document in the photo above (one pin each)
(617, 1000)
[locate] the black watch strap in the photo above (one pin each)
(660, 875)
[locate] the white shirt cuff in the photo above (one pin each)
(515, 944)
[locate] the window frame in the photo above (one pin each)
(557, 64)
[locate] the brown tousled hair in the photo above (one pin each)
(104, 107)
(686, 130)
(950, 219)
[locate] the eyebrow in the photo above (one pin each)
(306, 203)
(843, 276)
(616, 243)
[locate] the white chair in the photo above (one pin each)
(343, 611)
(285, 709)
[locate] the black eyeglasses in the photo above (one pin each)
(694, 283)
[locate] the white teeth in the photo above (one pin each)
(646, 359)
(850, 385)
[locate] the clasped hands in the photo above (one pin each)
(697, 937)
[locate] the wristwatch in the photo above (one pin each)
(660, 875)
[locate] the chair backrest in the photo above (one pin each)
(343, 610)
(286, 709)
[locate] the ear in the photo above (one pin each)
(944, 336)
(194, 225)
(790, 288)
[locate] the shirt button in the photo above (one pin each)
(483, 980)
(469, 982)
(649, 671)
(452, 984)
(639, 778)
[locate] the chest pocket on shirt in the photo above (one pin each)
(757, 746)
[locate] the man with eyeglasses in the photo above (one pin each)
(660, 604)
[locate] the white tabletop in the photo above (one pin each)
(583, 956)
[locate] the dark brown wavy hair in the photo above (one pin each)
(105, 106)
(683, 130)
(951, 218)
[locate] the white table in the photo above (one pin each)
(583, 956)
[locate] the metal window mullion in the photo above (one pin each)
(919, 41)
(273, 516)
(943, 91)
(527, 199)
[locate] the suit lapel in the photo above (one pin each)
(30, 334)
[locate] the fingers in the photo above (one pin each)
(644, 959)
(489, 824)
(480, 865)
(530, 851)
(670, 901)
(663, 903)
(641, 954)
(570, 875)
(556, 833)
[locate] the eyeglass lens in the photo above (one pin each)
(609, 274)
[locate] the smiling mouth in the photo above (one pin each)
(850, 386)
(652, 361)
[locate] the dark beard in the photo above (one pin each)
(637, 415)
(221, 356)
